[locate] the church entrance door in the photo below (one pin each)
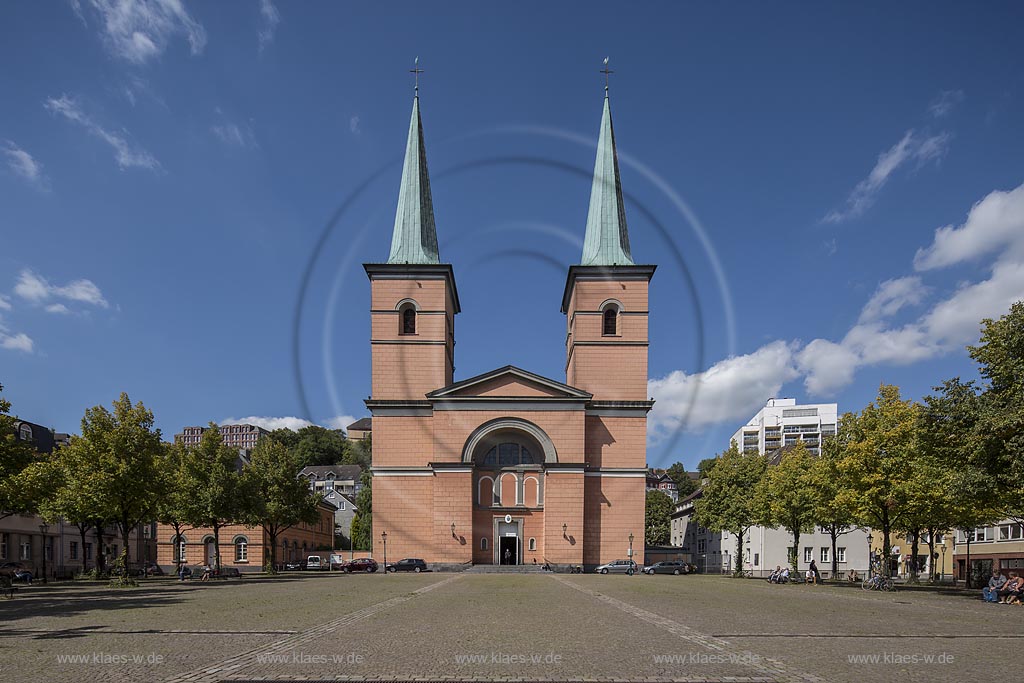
(507, 547)
(508, 550)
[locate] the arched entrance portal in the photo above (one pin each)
(509, 456)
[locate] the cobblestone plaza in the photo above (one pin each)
(502, 627)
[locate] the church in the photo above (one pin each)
(509, 467)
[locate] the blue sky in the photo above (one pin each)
(842, 184)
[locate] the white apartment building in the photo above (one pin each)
(765, 548)
(782, 423)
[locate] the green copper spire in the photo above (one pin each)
(607, 240)
(415, 237)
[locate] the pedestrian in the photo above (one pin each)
(508, 556)
(817, 574)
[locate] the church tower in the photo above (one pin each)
(605, 301)
(413, 295)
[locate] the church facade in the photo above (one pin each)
(509, 467)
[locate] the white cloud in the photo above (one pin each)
(340, 421)
(36, 289)
(57, 308)
(729, 390)
(945, 102)
(139, 30)
(235, 135)
(893, 295)
(912, 147)
(126, 154)
(353, 126)
(826, 366)
(271, 18)
(5, 303)
(16, 342)
(290, 422)
(23, 164)
(995, 222)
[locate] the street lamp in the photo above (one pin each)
(870, 567)
(631, 550)
(943, 548)
(453, 530)
(565, 529)
(43, 528)
(384, 539)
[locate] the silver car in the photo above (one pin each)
(618, 567)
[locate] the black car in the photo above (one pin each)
(408, 565)
(667, 568)
(295, 566)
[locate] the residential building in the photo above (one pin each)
(658, 480)
(324, 478)
(782, 423)
(244, 547)
(360, 429)
(509, 467)
(241, 436)
(344, 512)
(994, 546)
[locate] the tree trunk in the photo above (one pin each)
(738, 563)
(915, 543)
(176, 553)
(931, 555)
(216, 546)
(83, 529)
(272, 537)
(796, 550)
(101, 560)
(126, 530)
(967, 574)
(833, 534)
(886, 547)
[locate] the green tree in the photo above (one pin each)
(277, 499)
(681, 478)
(319, 446)
(286, 437)
(999, 434)
(705, 466)
(785, 497)
(878, 462)
(212, 486)
(833, 512)
(658, 518)
(116, 463)
(359, 452)
(727, 503)
(174, 506)
(362, 522)
(15, 456)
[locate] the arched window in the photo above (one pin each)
(407, 315)
(610, 318)
(241, 549)
(25, 432)
(483, 543)
(533, 544)
(508, 455)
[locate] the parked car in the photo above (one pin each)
(670, 567)
(16, 571)
(617, 567)
(360, 564)
(314, 562)
(295, 566)
(408, 565)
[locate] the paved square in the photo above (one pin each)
(502, 627)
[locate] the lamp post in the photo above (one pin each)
(631, 552)
(43, 528)
(565, 529)
(453, 530)
(384, 539)
(943, 548)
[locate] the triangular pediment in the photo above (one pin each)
(510, 382)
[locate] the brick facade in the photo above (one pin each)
(508, 466)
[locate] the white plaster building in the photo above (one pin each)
(782, 423)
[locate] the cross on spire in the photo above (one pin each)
(416, 70)
(606, 71)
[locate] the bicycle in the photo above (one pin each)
(877, 583)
